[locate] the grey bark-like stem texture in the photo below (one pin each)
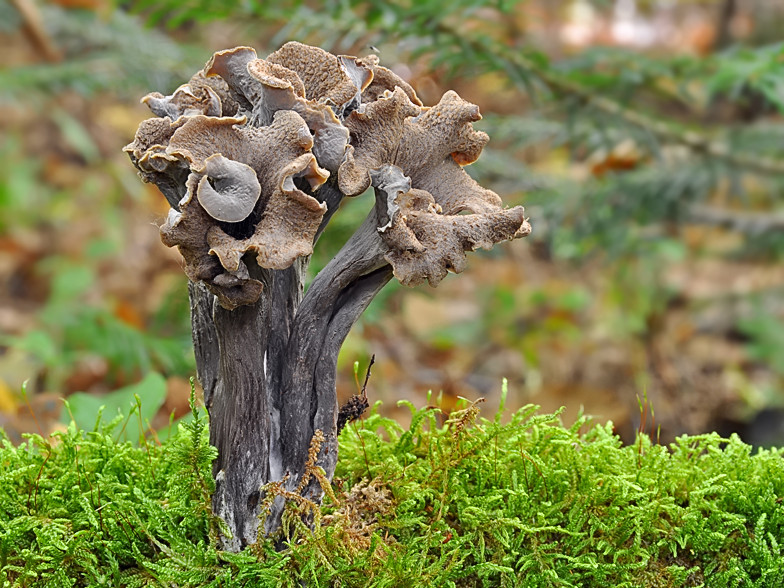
(205, 338)
(362, 254)
(239, 415)
(334, 302)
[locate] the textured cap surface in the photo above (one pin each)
(231, 143)
(325, 77)
(384, 80)
(425, 244)
(236, 172)
(430, 145)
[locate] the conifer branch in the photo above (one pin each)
(699, 141)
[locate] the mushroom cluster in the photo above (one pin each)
(241, 150)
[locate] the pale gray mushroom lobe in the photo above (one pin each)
(229, 190)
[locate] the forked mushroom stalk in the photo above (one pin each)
(254, 156)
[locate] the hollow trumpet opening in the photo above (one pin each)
(243, 229)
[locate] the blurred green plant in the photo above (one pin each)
(146, 397)
(767, 335)
(70, 331)
(110, 52)
(98, 52)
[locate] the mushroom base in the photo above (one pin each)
(269, 370)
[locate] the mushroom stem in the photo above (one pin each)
(239, 413)
(333, 303)
(205, 338)
(259, 335)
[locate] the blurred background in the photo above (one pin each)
(644, 137)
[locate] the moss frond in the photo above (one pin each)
(474, 502)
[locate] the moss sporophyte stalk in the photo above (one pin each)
(519, 500)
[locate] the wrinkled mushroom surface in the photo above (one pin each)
(425, 244)
(314, 88)
(237, 175)
(241, 150)
(324, 75)
(430, 145)
(184, 102)
(152, 137)
(383, 80)
(201, 95)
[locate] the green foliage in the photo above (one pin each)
(75, 323)
(767, 334)
(71, 331)
(740, 69)
(113, 52)
(83, 509)
(147, 396)
(450, 501)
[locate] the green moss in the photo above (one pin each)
(468, 503)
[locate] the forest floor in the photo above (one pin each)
(90, 300)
